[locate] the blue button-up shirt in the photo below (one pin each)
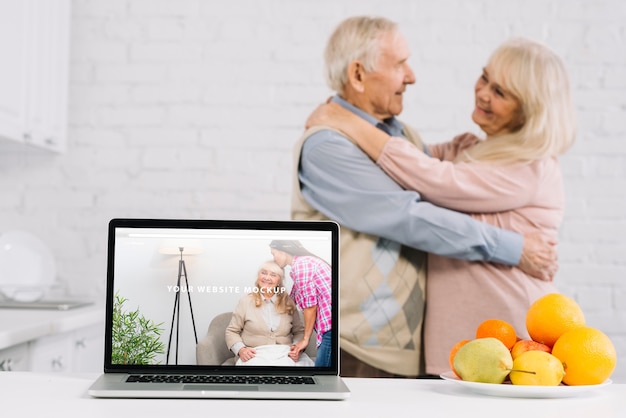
(343, 183)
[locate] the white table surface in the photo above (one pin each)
(58, 395)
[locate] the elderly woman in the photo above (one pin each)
(511, 179)
(265, 323)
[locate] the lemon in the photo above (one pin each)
(537, 368)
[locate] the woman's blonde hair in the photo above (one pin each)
(538, 79)
(355, 39)
(284, 303)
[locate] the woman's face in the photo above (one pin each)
(496, 110)
(267, 279)
(280, 257)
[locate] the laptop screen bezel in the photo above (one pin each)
(256, 225)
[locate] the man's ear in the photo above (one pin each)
(356, 76)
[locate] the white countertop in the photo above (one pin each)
(32, 394)
(21, 325)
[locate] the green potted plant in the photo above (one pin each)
(136, 340)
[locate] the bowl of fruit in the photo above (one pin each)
(564, 357)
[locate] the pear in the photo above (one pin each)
(484, 360)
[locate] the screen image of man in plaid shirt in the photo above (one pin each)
(312, 293)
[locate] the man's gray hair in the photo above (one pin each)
(355, 39)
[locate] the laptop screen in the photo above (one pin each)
(187, 295)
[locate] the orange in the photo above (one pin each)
(588, 356)
(455, 348)
(499, 329)
(552, 315)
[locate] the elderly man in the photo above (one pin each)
(385, 228)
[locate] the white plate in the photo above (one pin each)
(27, 266)
(518, 391)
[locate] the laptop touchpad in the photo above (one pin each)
(209, 388)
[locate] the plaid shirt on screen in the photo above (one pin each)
(312, 286)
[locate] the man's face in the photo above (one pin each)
(384, 87)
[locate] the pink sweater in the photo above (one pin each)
(521, 197)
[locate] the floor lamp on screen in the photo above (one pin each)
(181, 287)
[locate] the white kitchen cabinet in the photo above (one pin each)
(88, 350)
(15, 358)
(52, 341)
(13, 41)
(34, 44)
(77, 351)
(50, 354)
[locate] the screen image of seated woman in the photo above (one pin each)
(265, 324)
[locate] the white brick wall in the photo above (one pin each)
(189, 108)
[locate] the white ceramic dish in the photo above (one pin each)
(514, 391)
(27, 266)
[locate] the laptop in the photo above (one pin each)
(172, 286)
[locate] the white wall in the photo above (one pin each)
(190, 108)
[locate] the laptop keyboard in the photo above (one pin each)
(238, 380)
